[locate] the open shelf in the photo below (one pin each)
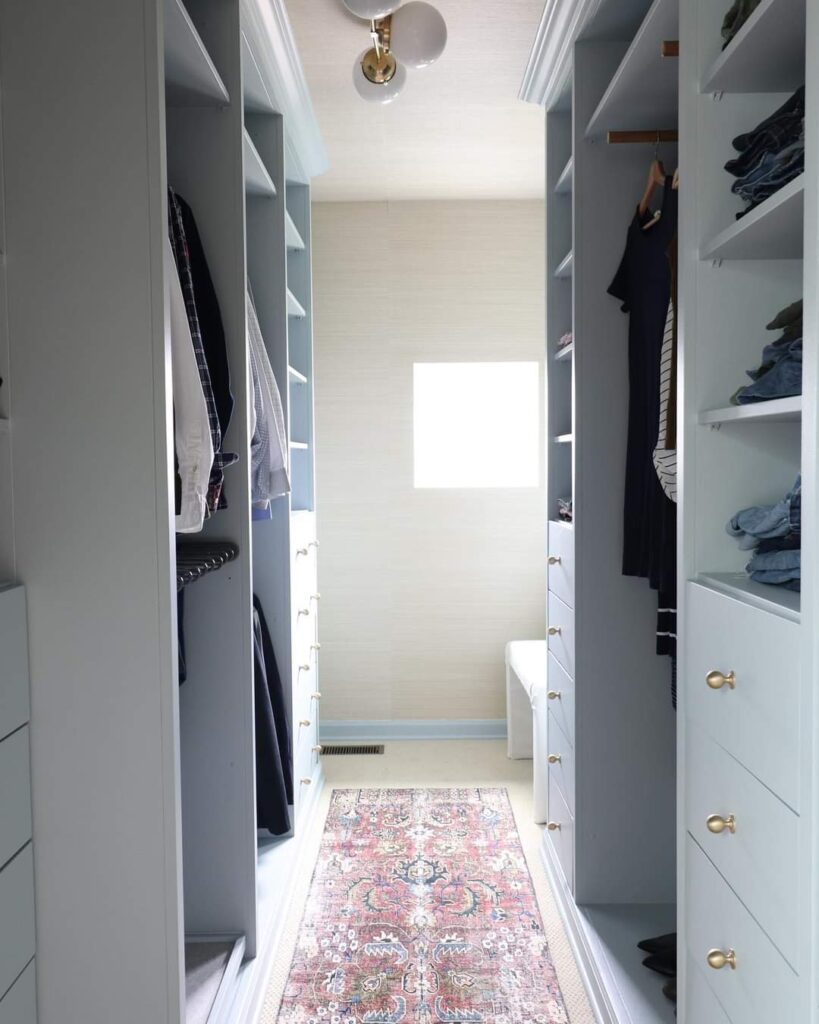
(566, 180)
(643, 94)
(566, 266)
(564, 439)
(778, 410)
(191, 77)
(257, 178)
(564, 353)
(299, 446)
(562, 523)
(295, 376)
(766, 55)
(256, 97)
(211, 969)
(292, 238)
(294, 307)
(772, 231)
(769, 598)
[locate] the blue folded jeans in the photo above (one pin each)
(775, 561)
(750, 525)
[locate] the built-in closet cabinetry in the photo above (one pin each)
(157, 898)
(731, 772)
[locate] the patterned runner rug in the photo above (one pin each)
(421, 909)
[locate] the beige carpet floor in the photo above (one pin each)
(438, 763)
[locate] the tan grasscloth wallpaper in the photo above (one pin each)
(420, 589)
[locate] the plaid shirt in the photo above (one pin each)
(772, 135)
(215, 498)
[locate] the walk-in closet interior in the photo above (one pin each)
(711, 105)
(157, 166)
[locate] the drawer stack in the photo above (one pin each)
(561, 696)
(742, 808)
(306, 694)
(17, 989)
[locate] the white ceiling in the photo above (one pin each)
(458, 130)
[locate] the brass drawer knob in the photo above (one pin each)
(316, 695)
(302, 551)
(304, 721)
(553, 826)
(304, 611)
(554, 630)
(307, 782)
(555, 560)
(304, 668)
(315, 647)
(717, 824)
(313, 544)
(717, 959)
(315, 597)
(716, 680)
(317, 749)
(554, 695)
(555, 758)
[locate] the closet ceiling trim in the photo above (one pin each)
(550, 61)
(270, 38)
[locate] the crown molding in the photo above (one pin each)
(550, 62)
(269, 34)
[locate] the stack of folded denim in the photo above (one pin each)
(564, 509)
(780, 373)
(740, 12)
(565, 340)
(771, 155)
(774, 534)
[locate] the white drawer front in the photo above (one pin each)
(561, 642)
(763, 988)
(759, 860)
(15, 794)
(562, 771)
(562, 839)
(305, 764)
(561, 563)
(14, 673)
(562, 707)
(16, 917)
(701, 1003)
(19, 1005)
(758, 720)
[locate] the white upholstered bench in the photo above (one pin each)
(526, 714)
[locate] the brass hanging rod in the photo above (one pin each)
(670, 48)
(616, 138)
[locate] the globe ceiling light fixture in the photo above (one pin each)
(409, 35)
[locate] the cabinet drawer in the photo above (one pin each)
(561, 771)
(561, 563)
(562, 839)
(15, 794)
(305, 765)
(759, 860)
(19, 1005)
(305, 705)
(14, 645)
(561, 643)
(16, 917)
(758, 720)
(701, 1003)
(763, 988)
(562, 707)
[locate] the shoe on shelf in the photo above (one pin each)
(661, 944)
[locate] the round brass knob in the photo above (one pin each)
(553, 826)
(554, 630)
(315, 597)
(717, 959)
(302, 551)
(554, 694)
(555, 758)
(554, 560)
(317, 749)
(304, 611)
(304, 721)
(304, 668)
(717, 824)
(307, 782)
(316, 695)
(716, 680)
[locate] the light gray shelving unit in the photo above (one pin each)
(158, 897)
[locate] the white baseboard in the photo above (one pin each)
(414, 729)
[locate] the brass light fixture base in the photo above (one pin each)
(378, 68)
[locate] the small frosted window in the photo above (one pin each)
(476, 424)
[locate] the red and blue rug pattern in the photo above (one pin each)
(422, 910)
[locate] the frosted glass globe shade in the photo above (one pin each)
(371, 91)
(370, 9)
(418, 34)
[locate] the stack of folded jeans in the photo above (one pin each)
(771, 155)
(740, 12)
(565, 340)
(564, 509)
(780, 373)
(774, 534)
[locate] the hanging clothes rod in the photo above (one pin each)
(617, 138)
(670, 48)
(196, 558)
